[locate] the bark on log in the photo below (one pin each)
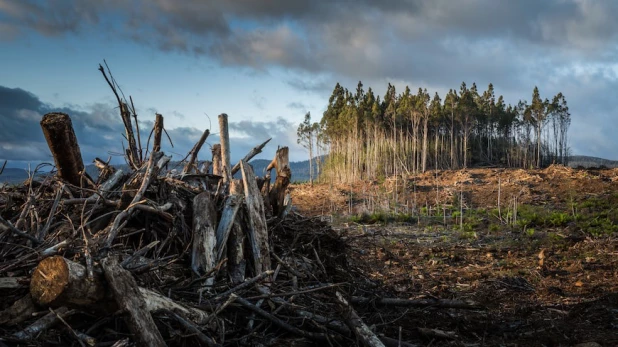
(228, 216)
(129, 299)
(281, 164)
(57, 281)
(254, 151)
(257, 228)
(354, 321)
(196, 149)
(58, 131)
(216, 160)
(236, 262)
(158, 130)
(224, 137)
(203, 256)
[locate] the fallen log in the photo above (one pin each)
(62, 142)
(441, 303)
(130, 301)
(57, 281)
(355, 322)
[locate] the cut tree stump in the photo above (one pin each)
(281, 164)
(257, 229)
(58, 131)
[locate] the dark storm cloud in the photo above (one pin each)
(435, 44)
(99, 131)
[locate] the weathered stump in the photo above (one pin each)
(62, 142)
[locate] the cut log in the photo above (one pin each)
(224, 137)
(257, 229)
(281, 164)
(57, 281)
(203, 256)
(58, 131)
(216, 160)
(129, 299)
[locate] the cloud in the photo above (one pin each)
(99, 132)
(435, 44)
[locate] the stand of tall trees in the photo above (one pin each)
(371, 138)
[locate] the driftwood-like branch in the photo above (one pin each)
(355, 322)
(203, 256)
(224, 136)
(254, 151)
(216, 160)
(228, 216)
(5, 225)
(196, 149)
(257, 228)
(42, 324)
(129, 300)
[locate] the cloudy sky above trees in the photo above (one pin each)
(266, 63)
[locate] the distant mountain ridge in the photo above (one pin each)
(588, 161)
(300, 171)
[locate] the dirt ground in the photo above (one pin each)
(551, 280)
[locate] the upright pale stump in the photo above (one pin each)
(58, 131)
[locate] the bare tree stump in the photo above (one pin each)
(224, 137)
(204, 254)
(257, 228)
(281, 164)
(58, 131)
(128, 297)
(57, 281)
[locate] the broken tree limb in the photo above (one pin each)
(42, 324)
(5, 225)
(57, 281)
(58, 131)
(254, 151)
(13, 282)
(281, 164)
(442, 303)
(196, 149)
(203, 255)
(257, 228)
(205, 340)
(156, 302)
(156, 162)
(355, 322)
(224, 136)
(128, 297)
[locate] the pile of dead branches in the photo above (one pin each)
(155, 257)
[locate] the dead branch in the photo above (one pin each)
(355, 322)
(254, 151)
(196, 149)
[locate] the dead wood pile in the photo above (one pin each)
(155, 257)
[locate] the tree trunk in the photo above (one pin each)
(224, 137)
(203, 256)
(58, 131)
(281, 164)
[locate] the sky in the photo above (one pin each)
(266, 63)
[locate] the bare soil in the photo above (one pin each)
(541, 282)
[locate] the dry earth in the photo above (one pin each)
(548, 278)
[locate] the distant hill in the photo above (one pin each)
(300, 171)
(587, 161)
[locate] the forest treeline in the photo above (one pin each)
(368, 137)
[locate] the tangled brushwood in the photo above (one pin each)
(155, 255)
